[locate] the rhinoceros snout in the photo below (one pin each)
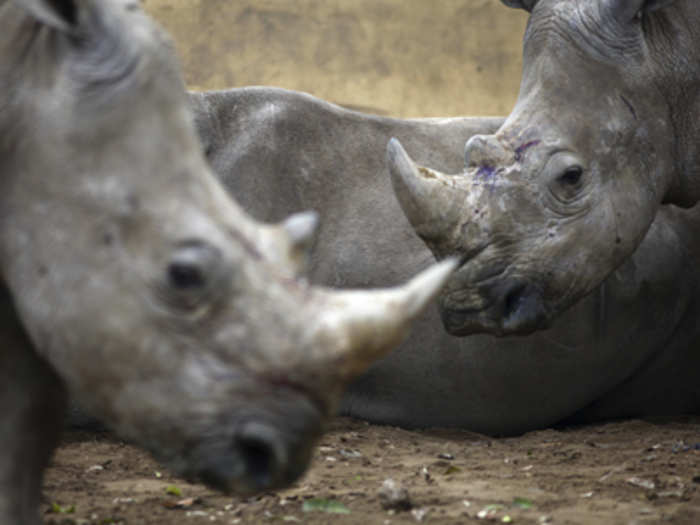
(509, 306)
(262, 454)
(254, 462)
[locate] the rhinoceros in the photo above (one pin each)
(628, 349)
(603, 132)
(132, 280)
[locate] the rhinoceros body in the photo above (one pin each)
(132, 280)
(628, 349)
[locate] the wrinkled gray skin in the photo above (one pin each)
(628, 349)
(133, 281)
(604, 131)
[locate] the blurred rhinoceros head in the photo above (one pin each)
(171, 314)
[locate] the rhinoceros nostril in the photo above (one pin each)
(259, 461)
(260, 449)
(523, 309)
(513, 301)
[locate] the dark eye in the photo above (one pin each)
(185, 275)
(193, 265)
(571, 176)
(567, 180)
(194, 278)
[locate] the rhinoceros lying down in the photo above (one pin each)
(132, 280)
(605, 130)
(628, 349)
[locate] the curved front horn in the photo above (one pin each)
(357, 327)
(432, 201)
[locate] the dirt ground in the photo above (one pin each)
(615, 473)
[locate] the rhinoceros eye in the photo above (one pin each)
(194, 270)
(571, 176)
(183, 275)
(568, 184)
(565, 177)
(190, 264)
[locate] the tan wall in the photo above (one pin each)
(401, 57)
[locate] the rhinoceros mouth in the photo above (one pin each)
(512, 307)
(463, 322)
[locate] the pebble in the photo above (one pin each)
(393, 496)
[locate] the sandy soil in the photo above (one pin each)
(622, 472)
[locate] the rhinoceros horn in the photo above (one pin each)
(302, 230)
(360, 326)
(432, 201)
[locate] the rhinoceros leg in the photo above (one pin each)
(32, 404)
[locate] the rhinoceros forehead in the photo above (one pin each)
(126, 52)
(585, 29)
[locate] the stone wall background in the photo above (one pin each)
(408, 58)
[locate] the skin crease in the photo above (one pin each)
(603, 132)
(625, 350)
(132, 281)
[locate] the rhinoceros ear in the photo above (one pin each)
(528, 5)
(628, 9)
(59, 14)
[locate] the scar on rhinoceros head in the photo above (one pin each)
(520, 150)
(486, 171)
